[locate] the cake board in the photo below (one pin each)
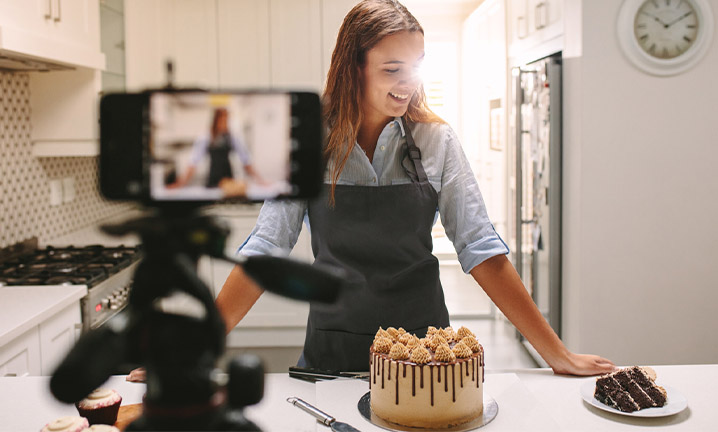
(491, 409)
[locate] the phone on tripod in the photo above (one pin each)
(165, 146)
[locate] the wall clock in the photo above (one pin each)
(665, 37)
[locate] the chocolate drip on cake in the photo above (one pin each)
(446, 378)
(453, 382)
(413, 380)
(421, 372)
(461, 375)
(404, 370)
(397, 382)
(438, 374)
(382, 373)
(431, 378)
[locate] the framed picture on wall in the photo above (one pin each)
(496, 114)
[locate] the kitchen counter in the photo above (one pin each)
(24, 307)
(528, 399)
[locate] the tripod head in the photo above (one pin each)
(179, 348)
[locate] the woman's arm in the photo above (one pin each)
(502, 284)
(238, 295)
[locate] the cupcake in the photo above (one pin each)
(100, 407)
(66, 424)
(101, 428)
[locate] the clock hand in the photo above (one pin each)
(655, 18)
(678, 19)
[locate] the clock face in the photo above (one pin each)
(665, 29)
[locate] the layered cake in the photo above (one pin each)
(630, 389)
(100, 407)
(432, 382)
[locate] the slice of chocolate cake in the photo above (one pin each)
(630, 389)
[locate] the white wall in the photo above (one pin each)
(640, 242)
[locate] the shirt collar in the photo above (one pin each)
(398, 121)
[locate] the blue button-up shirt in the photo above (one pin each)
(461, 207)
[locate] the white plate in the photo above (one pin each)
(675, 404)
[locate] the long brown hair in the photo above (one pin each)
(363, 27)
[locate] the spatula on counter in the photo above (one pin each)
(323, 417)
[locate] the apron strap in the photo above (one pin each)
(414, 153)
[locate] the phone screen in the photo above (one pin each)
(212, 146)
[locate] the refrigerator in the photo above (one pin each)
(535, 185)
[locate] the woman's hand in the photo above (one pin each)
(137, 375)
(582, 364)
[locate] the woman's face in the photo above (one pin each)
(390, 76)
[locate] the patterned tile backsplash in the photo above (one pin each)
(25, 209)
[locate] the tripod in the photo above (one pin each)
(179, 348)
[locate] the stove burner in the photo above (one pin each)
(87, 265)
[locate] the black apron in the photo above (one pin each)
(219, 165)
(381, 237)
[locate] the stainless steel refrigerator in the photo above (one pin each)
(535, 184)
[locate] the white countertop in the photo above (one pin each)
(528, 399)
(24, 307)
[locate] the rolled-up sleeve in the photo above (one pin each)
(277, 229)
(462, 209)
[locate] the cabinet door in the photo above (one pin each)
(189, 33)
(21, 357)
(76, 21)
(243, 41)
(57, 336)
(545, 17)
(270, 310)
(333, 13)
(160, 30)
(296, 51)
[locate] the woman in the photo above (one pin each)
(374, 219)
(218, 145)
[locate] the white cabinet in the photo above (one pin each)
(64, 109)
(273, 320)
(243, 41)
(535, 23)
(21, 357)
(231, 43)
(62, 103)
(296, 51)
(57, 336)
(40, 349)
(59, 31)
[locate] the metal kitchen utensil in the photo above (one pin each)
(314, 375)
(323, 417)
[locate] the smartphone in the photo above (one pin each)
(193, 146)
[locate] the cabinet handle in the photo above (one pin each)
(48, 11)
(541, 15)
(58, 17)
(521, 27)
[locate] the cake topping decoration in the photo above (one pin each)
(431, 331)
(461, 350)
(413, 342)
(448, 334)
(436, 340)
(383, 345)
(463, 332)
(472, 343)
(420, 355)
(405, 338)
(399, 352)
(444, 354)
(382, 333)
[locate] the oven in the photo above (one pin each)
(106, 272)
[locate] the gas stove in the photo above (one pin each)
(105, 271)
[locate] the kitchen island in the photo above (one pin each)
(528, 399)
